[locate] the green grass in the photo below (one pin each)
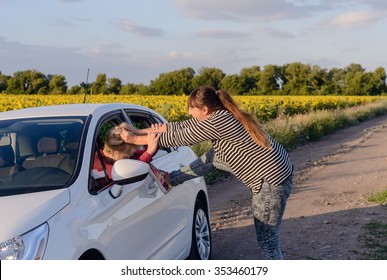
(375, 236)
(375, 240)
(380, 197)
(300, 129)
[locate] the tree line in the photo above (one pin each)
(290, 79)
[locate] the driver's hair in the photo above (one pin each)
(113, 140)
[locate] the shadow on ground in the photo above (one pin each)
(332, 236)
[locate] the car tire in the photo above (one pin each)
(201, 245)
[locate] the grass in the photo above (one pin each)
(300, 129)
(375, 236)
(379, 198)
(375, 240)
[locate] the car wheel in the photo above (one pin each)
(201, 233)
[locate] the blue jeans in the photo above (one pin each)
(268, 208)
(199, 167)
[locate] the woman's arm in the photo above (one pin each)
(131, 138)
(156, 127)
(136, 136)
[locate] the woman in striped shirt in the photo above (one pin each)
(241, 146)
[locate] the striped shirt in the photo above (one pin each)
(251, 164)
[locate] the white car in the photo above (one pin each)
(53, 205)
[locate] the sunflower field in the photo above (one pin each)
(174, 108)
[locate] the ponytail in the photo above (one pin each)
(249, 122)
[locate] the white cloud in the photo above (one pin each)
(274, 32)
(141, 30)
(226, 34)
(356, 19)
(245, 10)
(173, 54)
(377, 4)
(73, 63)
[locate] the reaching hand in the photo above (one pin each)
(128, 127)
(128, 136)
(152, 142)
(158, 127)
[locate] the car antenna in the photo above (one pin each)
(87, 86)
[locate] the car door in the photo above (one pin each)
(174, 210)
(140, 220)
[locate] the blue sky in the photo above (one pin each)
(137, 40)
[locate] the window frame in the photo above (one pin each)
(99, 184)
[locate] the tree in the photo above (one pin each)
(114, 85)
(296, 77)
(77, 89)
(271, 80)
(129, 88)
(100, 86)
(318, 81)
(208, 77)
(354, 79)
(232, 84)
(28, 82)
(3, 82)
(57, 84)
(336, 77)
(249, 79)
(378, 81)
(175, 82)
(142, 89)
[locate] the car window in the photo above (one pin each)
(100, 168)
(38, 154)
(144, 120)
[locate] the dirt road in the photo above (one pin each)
(326, 211)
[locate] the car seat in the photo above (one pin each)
(48, 156)
(7, 161)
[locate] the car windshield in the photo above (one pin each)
(38, 154)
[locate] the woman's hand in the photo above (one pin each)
(152, 142)
(158, 127)
(128, 136)
(140, 136)
(129, 128)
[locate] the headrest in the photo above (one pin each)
(7, 156)
(73, 146)
(47, 145)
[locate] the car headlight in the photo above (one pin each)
(29, 246)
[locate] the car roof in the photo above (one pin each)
(67, 110)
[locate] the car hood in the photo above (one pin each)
(21, 213)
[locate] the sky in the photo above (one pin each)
(136, 40)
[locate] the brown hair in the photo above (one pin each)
(114, 141)
(221, 100)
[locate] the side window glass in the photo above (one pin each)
(101, 166)
(144, 120)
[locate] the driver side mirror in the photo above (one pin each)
(127, 171)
